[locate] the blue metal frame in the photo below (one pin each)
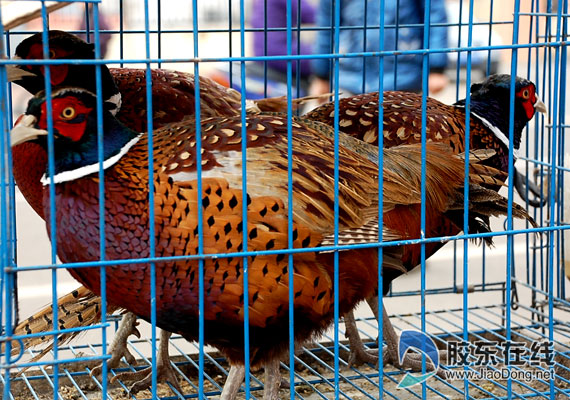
(512, 319)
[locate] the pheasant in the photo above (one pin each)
(489, 129)
(176, 202)
(489, 121)
(124, 94)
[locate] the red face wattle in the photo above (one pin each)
(58, 73)
(527, 96)
(70, 117)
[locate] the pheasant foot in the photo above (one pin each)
(359, 354)
(118, 348)
(411, 361)
(165, 371)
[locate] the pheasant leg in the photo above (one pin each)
(237, 374)
(118, 348)
(359, 354)
(272, 381)
(165, 372)
(411, 361)
(233, 382)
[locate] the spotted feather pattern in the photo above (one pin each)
(402, 122)
(177, 199)
(173, 99)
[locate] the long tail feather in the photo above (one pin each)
(77, 309)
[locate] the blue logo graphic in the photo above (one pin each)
(422, 342)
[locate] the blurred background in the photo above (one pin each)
(219, 21)
(216, 17)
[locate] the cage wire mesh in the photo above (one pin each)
(476, 298)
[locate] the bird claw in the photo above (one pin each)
(116, 355)
(135, 331)
(118, 349)
(413, 361)
(164, 370)
(284, 384)
(360, 355)
(143, 378)
(522, 185)
(114, 361)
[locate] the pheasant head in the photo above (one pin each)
(74, 114)
(490, 102)
(62, 46)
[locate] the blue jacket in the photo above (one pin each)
(277, 41)
(406, 68)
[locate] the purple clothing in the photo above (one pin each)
(277, 41)
(104, 25)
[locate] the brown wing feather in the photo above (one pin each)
(177, 199)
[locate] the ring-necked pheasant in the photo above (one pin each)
(177, 199)
(489, 129)
(124, 94)
(490, 102)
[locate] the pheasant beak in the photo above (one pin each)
(540, 106)
(16, 73)
(25, 130)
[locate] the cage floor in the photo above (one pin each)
(314, 371)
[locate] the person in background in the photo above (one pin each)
(104, 25)
(275, 44)
(361, 74)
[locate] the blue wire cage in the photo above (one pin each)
(517, 291)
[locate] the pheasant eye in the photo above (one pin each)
(51, 54)
(525, 94)
(68, 113)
